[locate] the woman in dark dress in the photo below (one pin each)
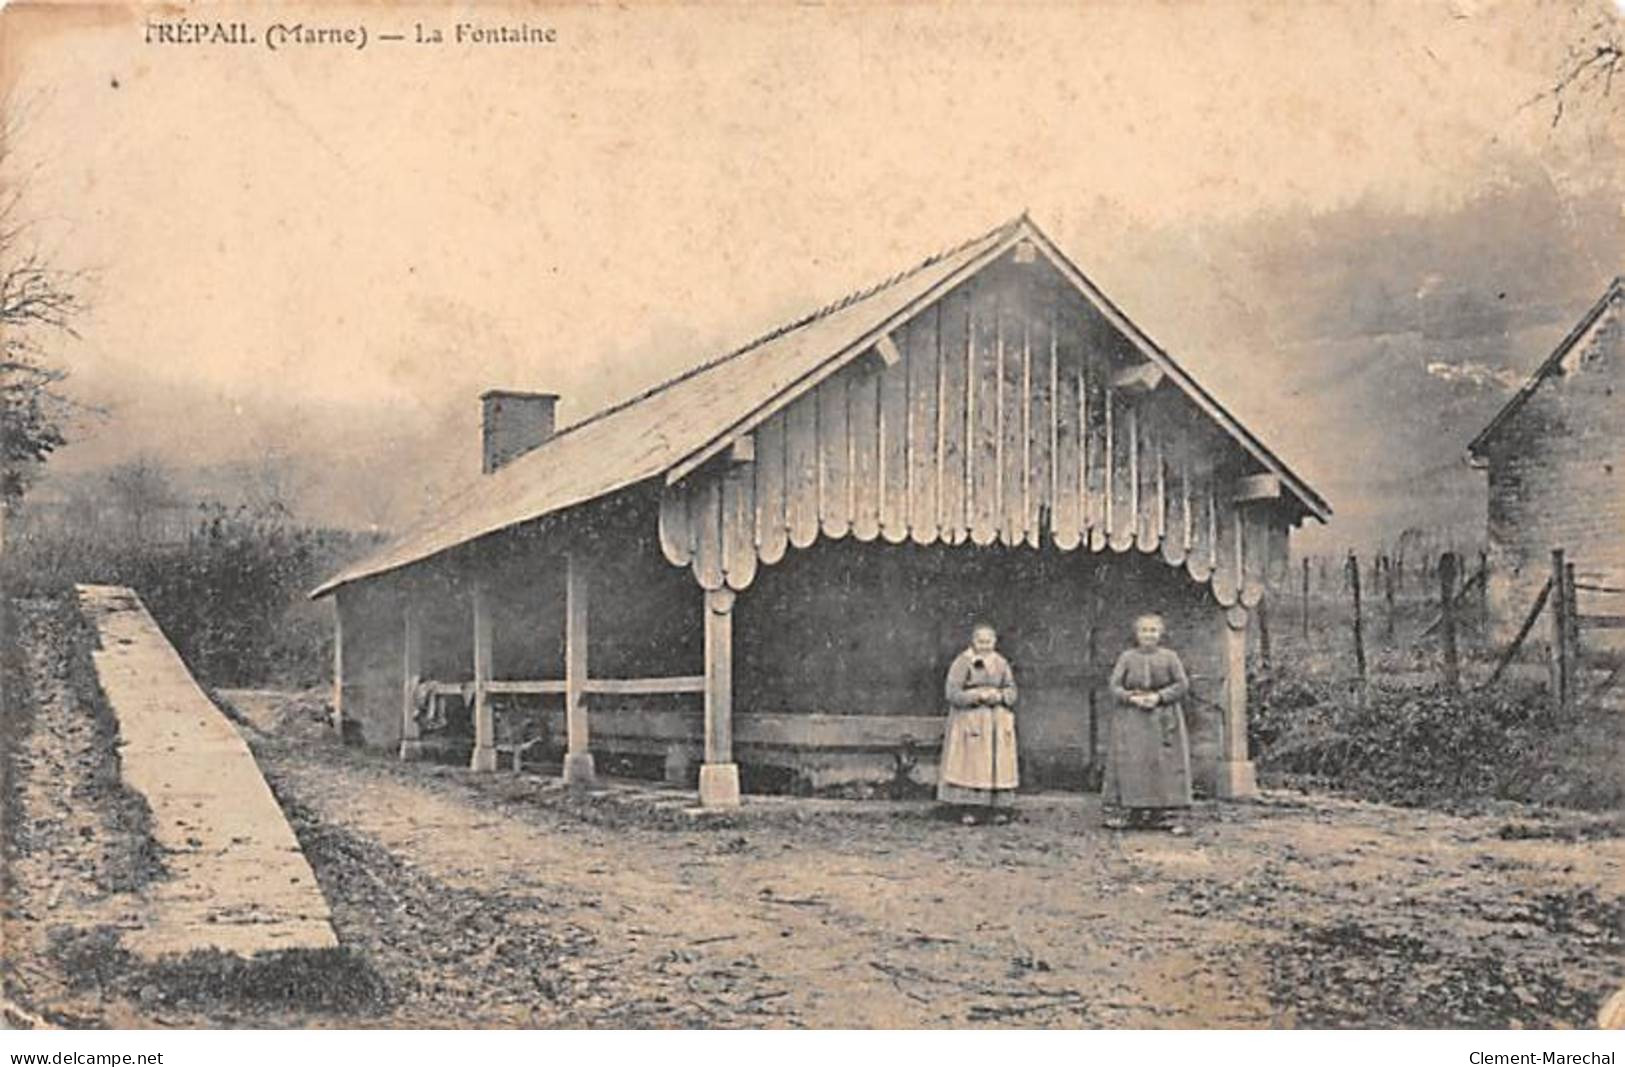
(1149, 777)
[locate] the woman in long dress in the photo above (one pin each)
(1149, 777)
(978, 774)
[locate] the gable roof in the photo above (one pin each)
(1547, 368)
(673, 427)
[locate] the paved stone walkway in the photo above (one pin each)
(237, 879)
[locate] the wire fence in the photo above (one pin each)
(1420, 614)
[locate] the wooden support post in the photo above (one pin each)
(485, 740)
(411, 672)
(1447, 633)
(578, 767)
(719, 774)
(1571, 646)
(1560, 634)
(1237, 778)
(338, 667)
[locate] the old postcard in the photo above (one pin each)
(819, 516)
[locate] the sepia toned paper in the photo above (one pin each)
(308, 237)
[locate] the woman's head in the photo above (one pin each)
(983, 638)
(1148, 630)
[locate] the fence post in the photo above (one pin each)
(1265, 657)
(1359, 622)
(1560, 632)
(1306, 598)
(1388, 594)
(1571, 643)
(1447, 608)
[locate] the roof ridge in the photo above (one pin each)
(795, 324)
(1547, 365)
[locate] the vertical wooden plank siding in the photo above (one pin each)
(739, 525)
(1254, 528)
(1014, 391)
(997, 422)
(1041, 429)
(577, 590)
(1278, 564)
(1127, 513)
(953, 326)
(771, 532)
(984, 416)
(1188, 443)
(863, 422)
(834, 484)
(1125, 472)
(1097, 451)
(1175, 494)
(924, 427)
(1148, 497)
(801, 470)
(706, 515)
(1067, 517)
(1199, 560)
(894, 449)
(1226, 547)
(676, 534)
(1237, 538)
(484, 757)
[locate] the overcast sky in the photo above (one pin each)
(329, 253)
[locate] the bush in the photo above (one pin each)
(1436, 748)
(231, 597)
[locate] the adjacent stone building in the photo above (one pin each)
(760, 570)
(1555, 456)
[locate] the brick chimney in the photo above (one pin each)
(514, 423)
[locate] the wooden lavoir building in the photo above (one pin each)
(766, 564)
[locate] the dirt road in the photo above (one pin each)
(503, 901)
(1297, 911)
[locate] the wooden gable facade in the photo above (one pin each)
(785, 596)
(1008, 412)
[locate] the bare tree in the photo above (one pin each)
(140, 489)
(38, 306)
(1591, 62)
(273, 484)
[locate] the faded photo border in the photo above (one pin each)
(286, 248)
